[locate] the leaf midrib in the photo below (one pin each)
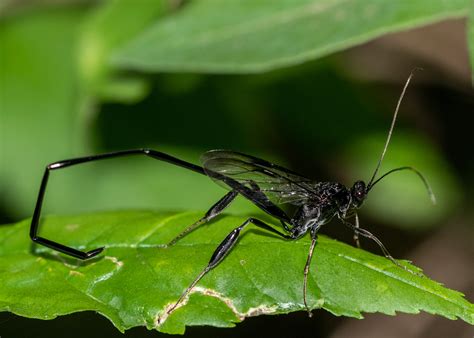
(284, 16)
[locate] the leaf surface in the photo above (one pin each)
(137, 277)
(254, 36)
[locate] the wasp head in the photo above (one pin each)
(358, 193)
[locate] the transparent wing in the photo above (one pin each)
(257, 178)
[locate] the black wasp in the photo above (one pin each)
(266, 185)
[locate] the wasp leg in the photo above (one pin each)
(75, 161)
(215, 210)
(387, 254)
(314, 238)
(356, 234)
(221, 251)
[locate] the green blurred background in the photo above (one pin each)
(326, 118)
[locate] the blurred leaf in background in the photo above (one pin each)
(39, 99)
(104, 30)
(254, 36)
(470, 39)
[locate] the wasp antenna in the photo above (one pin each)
(394, 119)
(420, 175)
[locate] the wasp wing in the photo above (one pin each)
(258, 180)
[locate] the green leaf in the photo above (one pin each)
(137, 277)
(38, 98)
(253, 36)
(109, 26)
(470, 39)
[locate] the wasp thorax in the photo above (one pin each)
(358, 193)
